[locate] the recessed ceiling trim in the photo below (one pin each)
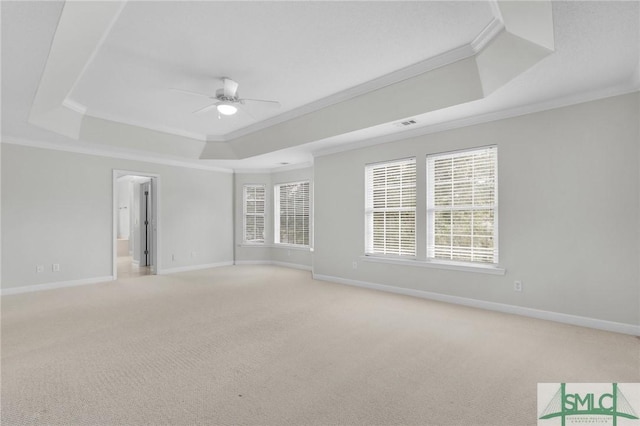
(446, 58)
(74, 106)
(495, 10)
(97, 46)
(493, 28)
(279, 169)
(579, 98)
(110, 153)
(80, 27)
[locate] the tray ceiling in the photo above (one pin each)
(97, 75)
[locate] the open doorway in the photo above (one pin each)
(135, 224)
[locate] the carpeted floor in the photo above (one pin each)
(270, 346)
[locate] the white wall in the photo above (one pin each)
(569, 195)
(57, 208)
(569, 214)
(269, 252)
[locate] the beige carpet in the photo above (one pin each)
(126, 268)
(268, 345)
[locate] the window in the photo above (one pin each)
(390, 208)
(462, 206)
(292, 213)
(253, 213)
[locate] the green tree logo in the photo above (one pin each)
(564, 404)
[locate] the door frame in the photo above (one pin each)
(156, 241)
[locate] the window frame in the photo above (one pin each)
(245, 213)
(370, 210)
(277, 216)
(431, 209)
(421, 260)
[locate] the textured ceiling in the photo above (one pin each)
(293, 52)
(302, 54)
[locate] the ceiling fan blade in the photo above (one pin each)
(189, 92)
(245, 111)
(230, 88)
(260, 100)
(206, 108)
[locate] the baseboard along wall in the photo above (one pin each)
(51, 286)
(493, 306)
(474, 303)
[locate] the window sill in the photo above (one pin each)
(291, 247)
(246, 244)
(454, 266)
(280, 246)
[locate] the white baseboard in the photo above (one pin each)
(599, 324)
(194, 267)
(273, 262)
(51, 286)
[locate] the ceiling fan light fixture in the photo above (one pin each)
(226, 109)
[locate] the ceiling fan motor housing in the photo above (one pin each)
(221, 97)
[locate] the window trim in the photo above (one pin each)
(276, 215)
(246, 242)
(368, 211)
(422, 233)
(484, 268)
(430, 234)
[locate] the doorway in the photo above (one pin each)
(135, 224)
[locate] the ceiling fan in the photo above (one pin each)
(226, 98)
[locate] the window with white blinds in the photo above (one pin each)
(462, 206)
(254, 208)
(292, 213)
(390, 208)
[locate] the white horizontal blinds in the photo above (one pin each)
(390, 208)
(462, 205)
(293, 203)
(254, 203)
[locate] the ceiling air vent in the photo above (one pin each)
(405, 123)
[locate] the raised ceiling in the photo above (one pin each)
(97, 75)
(294, 52)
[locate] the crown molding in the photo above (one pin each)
(74, 106)
(102, 152)
(289, 167)
(97, 47)
(462, 52)
(483, 118)
(488, 33)
(438, 61)
(251, 171)
(495, 10)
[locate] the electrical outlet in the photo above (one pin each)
(39, 268)
(355, 265)
(517, 286)
(55, 267)
(173, 257)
